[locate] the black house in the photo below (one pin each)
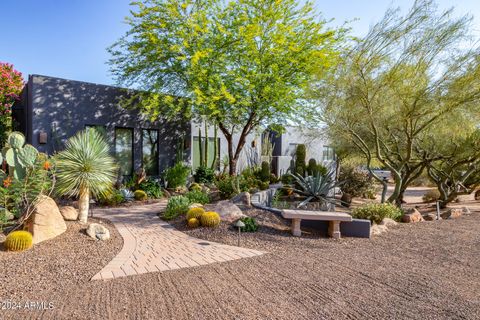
(52, 109)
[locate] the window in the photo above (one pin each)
(328, 153)
(124, 150)
(150, 152)
(101, 129)
(210, 152)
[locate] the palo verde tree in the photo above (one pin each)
(408, 74)
(237, 64)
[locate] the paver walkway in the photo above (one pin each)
(153, 245)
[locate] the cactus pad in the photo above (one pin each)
(18, 241)
(195, 213)
(11, 158)
(210, 219)
(16, 140)
(27, 156)
(193, 223)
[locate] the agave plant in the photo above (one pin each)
(85, 167)
(127, 194)
(317, 187)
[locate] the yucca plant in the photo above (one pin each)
(316, 187)
(85, 167)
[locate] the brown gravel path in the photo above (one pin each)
(428, 270)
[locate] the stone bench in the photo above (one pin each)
(334, 219)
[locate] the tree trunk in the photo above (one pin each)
(83, 205)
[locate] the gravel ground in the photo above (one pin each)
(428, 270)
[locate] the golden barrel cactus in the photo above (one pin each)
(210, 219)
(18, 241)
(195, 213)
(193, 223)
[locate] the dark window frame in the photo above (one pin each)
(158, 149)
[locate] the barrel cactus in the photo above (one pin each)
(140, 195)
(195, 213)
(210, 219)
(193, 223)
(18, 241)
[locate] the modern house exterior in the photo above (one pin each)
(53, 109)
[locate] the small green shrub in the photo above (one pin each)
(177, 175)
(204, 175)
(140, 195)
(376, 212)
(265, 172)
(250, 224)
(176, 206)
(152, 188)
(431, 196)
(195, 187)
(197, 197)
(355, 182)
(111, 198)
(229, 186)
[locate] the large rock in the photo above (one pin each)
(69, 213)
(227, 210)
(466, 211)
(451, 214)
(412, 215)
(378, 229)
(98, 232)
(387, 222)
(242, 198)
(46, 221)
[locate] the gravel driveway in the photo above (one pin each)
(428, 270)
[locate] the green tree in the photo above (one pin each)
(396, 86)
(238, 64)
(85, 167)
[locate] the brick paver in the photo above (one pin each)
(153, 245)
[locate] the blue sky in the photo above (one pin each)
(68, 38)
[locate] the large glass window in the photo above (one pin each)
(150, 151)
(124, 150)
(328, 153)
(210, 152)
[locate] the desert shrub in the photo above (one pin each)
(210, 219)
(300, 158)
(204, 175)
(431, 196)
(229, 186)
(197, 197)
(195, 187)
(287, 179)
(376, 212)
(355, 182)
(177, 175)
(264, 173)
(176, 206)
(152, 189)
(140, 195)
(111, 198)
(195, 213)
(250, 224)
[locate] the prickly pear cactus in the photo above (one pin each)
(27, 156)
(16, 140)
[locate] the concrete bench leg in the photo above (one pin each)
(334, 229)
(296, 227)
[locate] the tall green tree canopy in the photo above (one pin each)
(238, 64)
(409, 76)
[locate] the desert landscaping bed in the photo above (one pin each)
(427, 270)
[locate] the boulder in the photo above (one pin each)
(412, 215)
(46, 221)
(387, 222)
(430, 217)
(227, 210)
(377, 229)
(466, 211)
(242, 198)
(69, 213)
(451, 214)
(195, 205)
(98, 232)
